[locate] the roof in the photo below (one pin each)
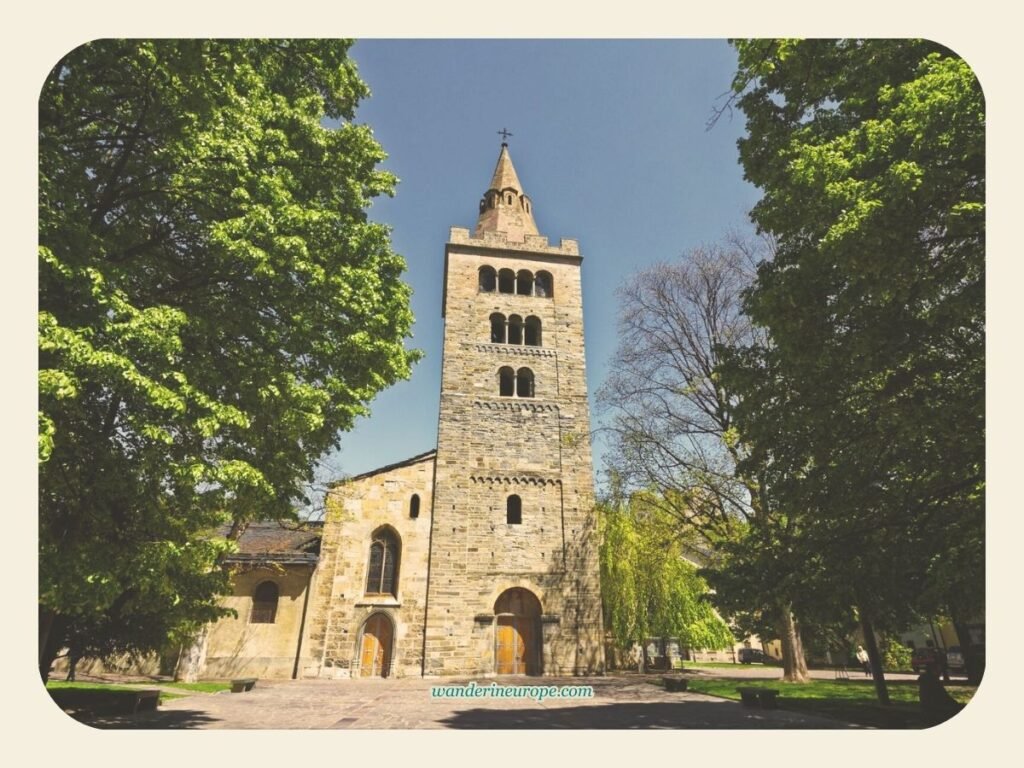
(505, 207)
(278, 542)
(387, 468)
(505, 173)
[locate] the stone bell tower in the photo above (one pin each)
(513, 575)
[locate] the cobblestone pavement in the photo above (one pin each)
(619, 702)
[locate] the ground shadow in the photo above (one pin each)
(169, 720)
(631, 716)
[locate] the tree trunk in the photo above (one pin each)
(874, 657)
(51, 638)
(192, 658)
(794, 665)
(72, 664)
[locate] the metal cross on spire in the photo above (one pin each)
(504, 135)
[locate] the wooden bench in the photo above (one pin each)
(243, 684)
(675, 684)
(766, 698)
(146, 700)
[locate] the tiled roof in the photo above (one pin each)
(278, 542)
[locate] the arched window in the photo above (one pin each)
(508, 199)
(506, 281)
(515, 329)
(414, 506)
(506, 382)
(497, 328)
(524, 283)
(544, 285)
(524, 382)
(264, 603)
(382, 574)
(532, 331)
(514, 510)
(488, 279)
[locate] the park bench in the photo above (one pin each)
(243, 684)
(675, 684)
(146, 700)
(766, 698)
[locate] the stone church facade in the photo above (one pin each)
(480, 557)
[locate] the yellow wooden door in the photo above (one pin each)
(375, 654)
(505, 645)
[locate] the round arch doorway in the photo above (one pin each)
(375, 646)
(517, 633)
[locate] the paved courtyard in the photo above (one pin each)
(619, 702)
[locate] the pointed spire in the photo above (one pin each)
(504, 173)
(504, 207)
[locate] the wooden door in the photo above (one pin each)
(506, 642)
(375, 654)
(514, 651)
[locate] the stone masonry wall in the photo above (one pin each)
(490, 446)
(340, 608)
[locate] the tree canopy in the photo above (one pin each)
(867, 408)
(648, 586)
(215, 307)
(674, 433)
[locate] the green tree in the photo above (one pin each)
(648, 587)
(215, 307)
(671, 418)
(868, 406)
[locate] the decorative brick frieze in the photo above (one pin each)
(513, 350)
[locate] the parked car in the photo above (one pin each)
(955, 659)
(922, 657)
(751, 656)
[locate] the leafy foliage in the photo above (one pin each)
(648, 587)
(866, 412)
(215, 306)
(896, 656)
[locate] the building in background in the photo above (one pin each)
(478, 558)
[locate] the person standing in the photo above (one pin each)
(862, 657)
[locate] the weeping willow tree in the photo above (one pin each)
(648, 588)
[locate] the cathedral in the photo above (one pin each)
(479, 558)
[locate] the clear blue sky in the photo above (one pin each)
(609, 141)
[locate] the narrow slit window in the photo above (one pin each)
(414, 506)
(514, 510)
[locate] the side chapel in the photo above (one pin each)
(477, 558)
